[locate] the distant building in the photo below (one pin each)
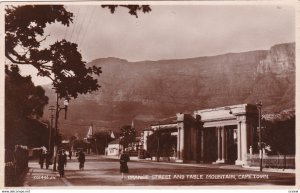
(219, 135)
(65, 144)
(90, 132)
(112, 135)
(136, 145)
(146, 133)
(89, 139)
(114, 148)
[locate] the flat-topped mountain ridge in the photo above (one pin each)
(146, 91)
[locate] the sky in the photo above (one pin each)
(174, 31)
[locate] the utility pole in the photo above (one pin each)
(57, 110)
(55, 133)
(51, 108)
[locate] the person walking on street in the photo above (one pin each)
(42, 159)
(124, 158)
(48, 159)
(64, 157)
(61, 164)
(81, 160)
(70, 154)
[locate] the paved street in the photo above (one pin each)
(100, 171)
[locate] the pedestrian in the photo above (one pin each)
(42, 159)
(70, 154)
(64, 158)
(61, 163)
(48, 159)
(81, 160)
(124, 158)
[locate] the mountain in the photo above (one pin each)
(146, 91)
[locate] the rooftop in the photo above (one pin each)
(166, 121)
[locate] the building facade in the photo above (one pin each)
(219, 135)
(114, 148)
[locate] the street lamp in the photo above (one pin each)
(58, 109)
(259, 105)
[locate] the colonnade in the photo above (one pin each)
(223, 138)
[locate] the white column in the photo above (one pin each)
(244, 147)
(238, 161)
(223, 143)
(178, 144)
(145, 139)
(227, 132)
(182, 143)
(219, 143)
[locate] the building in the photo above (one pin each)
(146, 132)
(65, 144)
(219, 135)
(114, 148)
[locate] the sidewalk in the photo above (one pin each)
(207, 165)
(38, 177)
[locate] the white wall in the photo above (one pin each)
(113, 149)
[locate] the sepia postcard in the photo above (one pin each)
(180, 94)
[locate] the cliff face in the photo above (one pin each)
(280, 60)
(148, 90)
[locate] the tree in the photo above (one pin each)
(80, 144)
(23, 101)
(101, 141)
(72, 138)
(133, 9)
(61, 61)
(281, 136)
(127, 135)
(25, 44)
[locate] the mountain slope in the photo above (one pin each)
(148, 90)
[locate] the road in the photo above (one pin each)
(101, 171)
